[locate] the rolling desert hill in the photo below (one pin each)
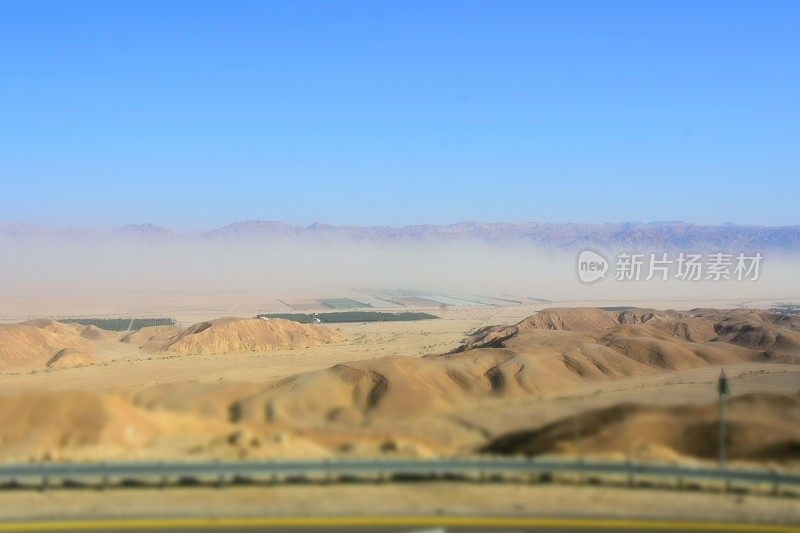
(151, 338)
(760, 427)
(501, 379)
(79, 425)
(232, 335)
(69, 357)
(547, 353)
(39, 343)
(44, 424)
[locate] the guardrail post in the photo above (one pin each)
(531, 473)
(482, 475)
(220, 481)
(631, 478)
(45, 483)
(104, 482)
(776, 490)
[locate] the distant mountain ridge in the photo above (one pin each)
(641, 236)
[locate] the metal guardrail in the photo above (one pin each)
(225, 472)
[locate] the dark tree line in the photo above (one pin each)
(350, 316)
(121, 324)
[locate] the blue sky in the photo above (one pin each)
(195, 114)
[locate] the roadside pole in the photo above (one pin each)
(724, 389)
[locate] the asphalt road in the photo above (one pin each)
(404, 524)
(392, 530)
(395, 530)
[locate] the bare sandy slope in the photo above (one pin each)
(461, 428)
(69, 357)
(342, 398)
(147, 366)
(38, 342)
(163, 399)
(547, 353)
(760, 426)
(54, 344)
(234, 335)
(76, 425)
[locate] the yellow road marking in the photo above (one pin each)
(386, 521)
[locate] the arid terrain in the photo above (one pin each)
(636, 382)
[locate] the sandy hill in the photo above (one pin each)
(36, 342)
(663, 339)
(760, 427)
(443, 403)
(152, 337)
(79, 425)
(543, 355)
(96, 334)
(230, 335)
(69, 357)
(39, 424)
(43, 342)
(393, 386)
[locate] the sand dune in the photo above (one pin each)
(36, 342)
(542, 355)
(231, 335)
(760, 427)
(39, 425)
(76, 425)
(69, 357)
(54, 344)
(153, 337)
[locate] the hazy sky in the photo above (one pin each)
(194, 114)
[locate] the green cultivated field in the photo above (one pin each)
(350, 316)
(786, 309)
(120, 324)
(342, 303)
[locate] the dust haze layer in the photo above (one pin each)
(209, 278)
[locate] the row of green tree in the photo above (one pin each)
(121, 324)
(350, 316)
